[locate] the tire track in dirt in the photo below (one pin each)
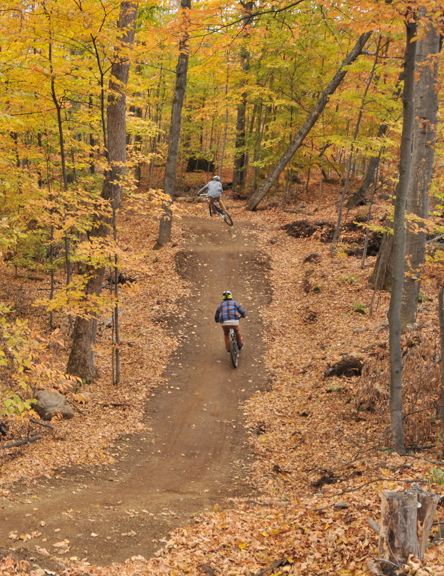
(196, 452)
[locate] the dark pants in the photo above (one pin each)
(226, 330)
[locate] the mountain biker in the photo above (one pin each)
(215, 190)
(228, 313)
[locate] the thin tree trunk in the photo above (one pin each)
(240, 151)
(239, 172)
(424, 140)
(440, 411)
(398, 266)
(138, 112)
(262, 125)
(225, 132)
(441, 396)
(361, 195)
(155, 140)
(82, 357)
(351, 155)
(176, 121)
(369, 215)
(258, 196)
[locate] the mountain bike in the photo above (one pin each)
(234, 348)
(222, 213)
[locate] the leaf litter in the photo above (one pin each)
(321, 464)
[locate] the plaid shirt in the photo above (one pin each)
(229, 310)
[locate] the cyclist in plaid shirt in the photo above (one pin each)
(228, 313)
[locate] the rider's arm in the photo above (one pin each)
(217, 315)
(241, 311)
(203, 189)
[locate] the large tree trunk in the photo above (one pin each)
(424, 139)
(176, 121)
(82, 358)
(398, 266)
(258, 196)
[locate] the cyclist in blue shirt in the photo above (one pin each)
(227, 314)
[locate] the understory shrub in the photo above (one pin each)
(421, 389)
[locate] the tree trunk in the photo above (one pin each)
(225, 131)
(240, 152)
(351, 153)
(382, 273)
(398, 266)
(176, 121)
(441, 395)
(369, 218)
(424, 139)
(258, 196)
(360, 197)
(82, 357)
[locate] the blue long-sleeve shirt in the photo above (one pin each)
(229, 310)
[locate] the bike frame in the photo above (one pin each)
(234, 348)
(222, 213)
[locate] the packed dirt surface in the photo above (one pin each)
(194, 454)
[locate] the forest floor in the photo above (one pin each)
(192, 467)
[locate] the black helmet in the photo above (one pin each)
(227, 295)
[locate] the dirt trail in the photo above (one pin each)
(194, 455)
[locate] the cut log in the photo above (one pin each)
(429, 503)
(397, 536)
(406, 521)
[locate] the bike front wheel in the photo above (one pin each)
(234, 349)
(226, 217)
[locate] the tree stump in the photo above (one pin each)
(406, 521)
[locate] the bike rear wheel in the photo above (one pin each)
(234, 348)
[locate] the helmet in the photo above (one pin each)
(216, 178)
(227, 295)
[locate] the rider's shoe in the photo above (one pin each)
(240, 347)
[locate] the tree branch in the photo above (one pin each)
(20, 442)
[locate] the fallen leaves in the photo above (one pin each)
(318, 468)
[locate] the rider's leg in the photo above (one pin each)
(226, 330)
(212, 206)
(221, 204)
(240, 342)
